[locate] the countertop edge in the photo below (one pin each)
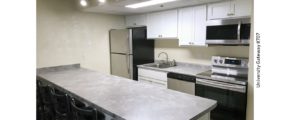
(166, 70)
(59, 67)
(204, 112)
(162, 70)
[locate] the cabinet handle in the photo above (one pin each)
(135, 24)
(230, 14)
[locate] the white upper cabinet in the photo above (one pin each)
(186, 26)
(230, 9)
(243, 7)
(192, 26)
(162, 25)
(200, 25)
(219, 10)
(136, 20)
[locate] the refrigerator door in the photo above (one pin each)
(121, 65)
(120, 41)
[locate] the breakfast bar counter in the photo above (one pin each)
(123, 98)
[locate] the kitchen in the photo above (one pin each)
(176, 38)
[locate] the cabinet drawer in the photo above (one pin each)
(159, 83)
(152, 74)
(143, 80)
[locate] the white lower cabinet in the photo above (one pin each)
(153, 77)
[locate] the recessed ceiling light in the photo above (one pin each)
(148, 3)
(102, 1)
(83, 3)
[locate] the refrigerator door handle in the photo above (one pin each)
(130, 41)
(128, 63)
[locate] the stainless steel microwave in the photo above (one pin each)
(228, 32)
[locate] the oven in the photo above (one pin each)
(226, 83)
(228, 32)
(231, 98)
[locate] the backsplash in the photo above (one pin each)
(197, 54)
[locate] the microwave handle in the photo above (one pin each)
(239, 31)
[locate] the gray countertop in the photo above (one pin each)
(125, 98)
(182, 68)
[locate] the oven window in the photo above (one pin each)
(231, 105)
(222, 32)
(245, 31)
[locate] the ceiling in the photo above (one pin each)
(117, 6)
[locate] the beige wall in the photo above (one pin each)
(66, 36)
(196, 54)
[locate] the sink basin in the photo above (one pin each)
(159, 65)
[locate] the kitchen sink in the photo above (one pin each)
(159, 65)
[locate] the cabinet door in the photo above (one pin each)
(219, 10)
(200, 25)
(136, 20)
(162, 24)
(192, 26)
(242, 8)
(186, 26)
(169, 24)
(154, 25)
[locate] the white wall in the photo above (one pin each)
(66, 35)
(199, 55)
(250, 101)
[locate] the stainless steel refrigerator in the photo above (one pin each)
(129, 48)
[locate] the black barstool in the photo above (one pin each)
(45, 108)
(80, 111)
(60, 102)
(39, 110)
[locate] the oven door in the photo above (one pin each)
(231, 98)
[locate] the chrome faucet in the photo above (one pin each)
(165, 54)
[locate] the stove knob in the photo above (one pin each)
(215, 61)
(221, 61)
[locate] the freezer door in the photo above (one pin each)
(121, 65)
(120, 41)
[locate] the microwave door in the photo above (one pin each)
(222, 34)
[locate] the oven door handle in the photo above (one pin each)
(239, 32)
(221, 85)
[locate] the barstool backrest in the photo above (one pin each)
(60, 103)
(81, 112)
